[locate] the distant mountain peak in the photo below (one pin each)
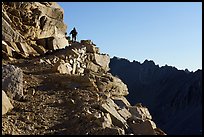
(173, 96)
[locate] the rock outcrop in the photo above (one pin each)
(12, 81)
(32, 28)
(65, 91)
(171, 95)
(95, 99)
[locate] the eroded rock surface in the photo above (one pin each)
(32, 28)
(72, 101)
(12, 81)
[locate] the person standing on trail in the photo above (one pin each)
(74, 34)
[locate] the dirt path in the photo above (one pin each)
(44, 108)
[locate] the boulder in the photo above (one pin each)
(59, 42)
(144, 128)
(111, 84)
(118, 88)
(12, 81)
(140, 112)
(90, 47)
(111, 107)
(102, 60)
(62, 67)
(122, 86)
(6, 104)
(93, 67)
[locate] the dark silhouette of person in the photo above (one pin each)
(74, 34)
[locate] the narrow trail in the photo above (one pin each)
(45, 109)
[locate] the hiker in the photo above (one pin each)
(74, 34)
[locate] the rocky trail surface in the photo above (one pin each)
(57, 103)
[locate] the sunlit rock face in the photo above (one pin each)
(32, 27)
(75, 88)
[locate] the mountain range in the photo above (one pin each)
(174, 97)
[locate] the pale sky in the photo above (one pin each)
(165, 32)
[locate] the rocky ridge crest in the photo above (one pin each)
(64, 90)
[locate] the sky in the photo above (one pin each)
(165, 32)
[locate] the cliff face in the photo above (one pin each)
(65, 91)
(32, 28)
(173, 96)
